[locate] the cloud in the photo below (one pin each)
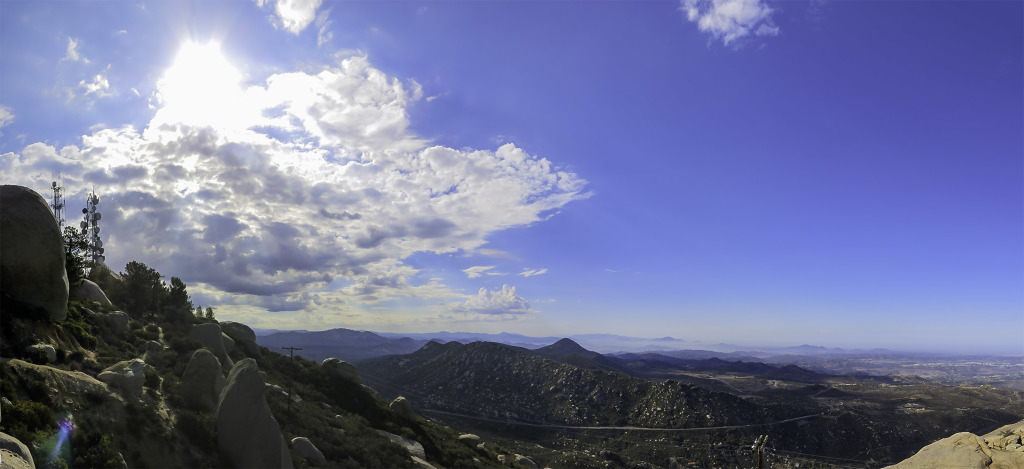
(532, 272)
(315, 189)
(478, 270)
(72, 54)
(498, 302)
(99, 86)
(323, 24)
(295, 15)
(6, 117)
(730, 20)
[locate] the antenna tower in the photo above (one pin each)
(58, 201)
(91, 229)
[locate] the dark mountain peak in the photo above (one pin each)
(562, 347)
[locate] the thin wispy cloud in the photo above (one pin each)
(532, 272)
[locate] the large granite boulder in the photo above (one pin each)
(248, 436)
(244, 337)
(412, 446)
(342, 369)
(14, 454)
(403, 408)
(116, 321)
(32, 253)
(203, 381)
(212, 338)
(128, 376)
(47, 349)
(962, 450)
(305, 448)
(90, 291)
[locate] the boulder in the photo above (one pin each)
(305, 448)
(150, 347)
(469, 439)
(32, 259)
(403, 408)
(117, 322)
(412, 446)
(244, 337)
(202, 381)
(524, 461)
(212, 338)
(962, 450)
(342, 369)
(90, 291)
(51, 353)
(14, 454)
(128, 376)
(421, 464)
(247, 433)
(229, 344)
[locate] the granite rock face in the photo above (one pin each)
(90, 291)
(342, 369)
(1000, 449)
(32, 259)
(248, 435)
(212, 338)
(243, 336)
(128, 376)
(203, 381)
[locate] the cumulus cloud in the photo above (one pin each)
(498, 302)
(311, 198)
(730, 20)
(6, 117)
(294, 15)
(532, 272)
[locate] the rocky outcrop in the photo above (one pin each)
(203, 381)
(243, 336)
(422, 464)
(212, 338)
(524, 461)
(47, 349)
(116, 322)
(469, 439)
(127, 376)
(403, 408)
(1000, 449)
(304, 448)
(14, 454)
(412, 446)
(342, 369)
(32, 260)
(247, 433)
(90, 291)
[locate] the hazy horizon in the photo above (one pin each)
(844, 174)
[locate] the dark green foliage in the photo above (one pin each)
(91, 448)
(200, 428)
(152, 378)
(75, 263)
(27, 420)
(141, 290)
(209, 312)
(77, 325)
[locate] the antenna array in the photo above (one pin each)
(58, 203)
(91, 229)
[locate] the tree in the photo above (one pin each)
(143, 290)
(178, 305)
(209, 312)
(75, 262)
(199, 311)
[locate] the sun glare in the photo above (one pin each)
(202, 87)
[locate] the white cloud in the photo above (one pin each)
(295, 15)
(730, 20)
(323, 24)
(72, 54)
(99, 86)
(498, 302)
(532, 272)
(309, 200)
(477, 271)
(6, 116)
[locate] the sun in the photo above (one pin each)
(202, 87)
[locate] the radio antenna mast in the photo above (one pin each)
(58, 201)
(91, 229)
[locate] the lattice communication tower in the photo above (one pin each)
(58, 203)
(91, 229)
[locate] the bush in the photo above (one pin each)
(25, 420)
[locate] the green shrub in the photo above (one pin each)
(25, 420)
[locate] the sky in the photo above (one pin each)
(836, 173)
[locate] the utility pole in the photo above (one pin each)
(758, 448)
(291, 350)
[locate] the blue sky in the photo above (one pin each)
(837, 173)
